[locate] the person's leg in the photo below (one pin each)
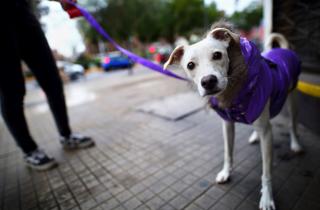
(11, 99)
(36, 52)
(12, 90)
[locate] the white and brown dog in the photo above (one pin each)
(243, 85)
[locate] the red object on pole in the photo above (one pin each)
(73, 12)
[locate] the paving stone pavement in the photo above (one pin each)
(145, 162)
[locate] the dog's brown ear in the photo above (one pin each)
(224, 34)
(175, 56)
(220, 34)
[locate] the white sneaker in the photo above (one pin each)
(76, 141)
(39, 160)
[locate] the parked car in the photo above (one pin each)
(115, 60)
(72, 70)
(160, 52)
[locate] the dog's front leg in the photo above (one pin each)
(263, 127)
(228, 137)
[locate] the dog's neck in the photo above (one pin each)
(237, 74)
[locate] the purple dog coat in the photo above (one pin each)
(269, 75)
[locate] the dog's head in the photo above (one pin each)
(207, 62)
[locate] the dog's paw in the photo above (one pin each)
(254, 138)
(266, 201)
(223, 176)
(267, 205)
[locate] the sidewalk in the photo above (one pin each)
(146, 162)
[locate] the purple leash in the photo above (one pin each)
(145, 62)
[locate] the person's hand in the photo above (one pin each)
(65, 5)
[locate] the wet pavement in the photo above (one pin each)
(142, 161)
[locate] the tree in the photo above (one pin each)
(151, 19)
(187, 15)
(213, 13)
(123, 19)
(249, 17)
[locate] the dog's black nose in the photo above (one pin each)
(209, 82)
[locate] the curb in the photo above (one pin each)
(309, 89)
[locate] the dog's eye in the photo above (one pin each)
(191, 65)
(216, 55)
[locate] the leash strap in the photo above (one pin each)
(145, 62)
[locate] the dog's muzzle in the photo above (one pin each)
(209, 84)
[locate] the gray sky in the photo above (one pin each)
(230, 6)
(63, 35)
(61, 31)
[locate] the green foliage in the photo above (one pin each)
(87, 61)
(187, 14)
(213, 14)
(249, 17)
(151, 19)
